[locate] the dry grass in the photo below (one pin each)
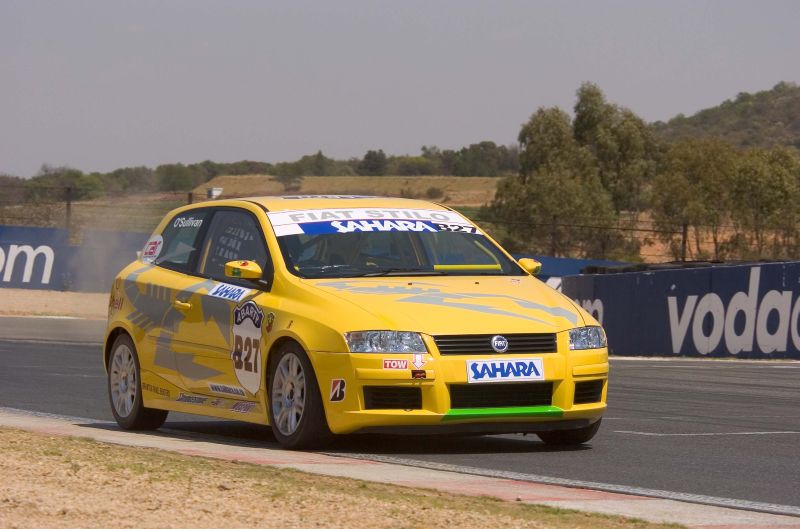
(458, 190)
(63, 482)
(28, 302)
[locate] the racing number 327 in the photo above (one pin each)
(247, 347)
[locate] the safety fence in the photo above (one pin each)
(65, 207)
(744, 311)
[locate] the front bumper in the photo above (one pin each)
(435, 413)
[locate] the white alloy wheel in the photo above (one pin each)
(124, 380)
(288, 398)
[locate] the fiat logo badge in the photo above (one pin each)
(499, 344)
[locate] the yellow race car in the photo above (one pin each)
(323, 315)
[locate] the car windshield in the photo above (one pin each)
(386, 243)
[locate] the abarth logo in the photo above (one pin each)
(246, 353)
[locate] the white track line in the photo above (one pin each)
(703, 434)
(771, 508)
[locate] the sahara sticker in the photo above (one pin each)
(152, 248)
(247, 320)
(229, 292)
(347, 220)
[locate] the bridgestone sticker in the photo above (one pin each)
(485, 371)
(247, 320)
(337, 390)
(321, 221)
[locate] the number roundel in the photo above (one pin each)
(248, 319)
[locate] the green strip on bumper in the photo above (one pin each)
(460, 414)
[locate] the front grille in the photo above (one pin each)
(501, 395)
(392, 398)
(480, 344)
(589, 391)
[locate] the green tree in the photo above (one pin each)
(52, 182)
(290, 182)
(175, 177)
(765, 194)
(130, 179)
(624, 146)
(412, 166)
(556, 205)
(319, 164)
(694, 189)
(374, 163)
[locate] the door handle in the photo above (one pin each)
(181, 305)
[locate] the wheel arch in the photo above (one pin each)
(276, 345)
(110, 339)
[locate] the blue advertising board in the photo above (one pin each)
(42, 258)
(749, 311)
(34, 257)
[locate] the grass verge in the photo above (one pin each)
(74, 482)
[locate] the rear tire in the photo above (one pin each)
(575, 437)
(125, 389)
(296, 411)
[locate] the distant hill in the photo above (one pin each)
(763, 119)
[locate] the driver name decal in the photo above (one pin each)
(247, 320)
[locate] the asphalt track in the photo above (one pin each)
(727, 430)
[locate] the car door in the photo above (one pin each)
(229, 336)
(158, 291)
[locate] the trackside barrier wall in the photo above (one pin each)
(750, 311)
(42, 258)
(554, 268)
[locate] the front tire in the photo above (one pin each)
(575, 437)
(296, 412)
(125, 389)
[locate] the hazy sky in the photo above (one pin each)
(103, 84)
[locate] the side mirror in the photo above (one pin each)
(243, 270)
(532, 266)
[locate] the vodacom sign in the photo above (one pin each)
(766, 322)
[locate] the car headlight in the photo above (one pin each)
(587, 338)
(384, 342)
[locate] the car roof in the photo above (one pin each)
(298, 202)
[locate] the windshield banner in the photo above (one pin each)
(319, 221)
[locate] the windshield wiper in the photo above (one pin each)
(403, 272)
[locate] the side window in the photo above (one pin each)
(233, 235)
(181, 240)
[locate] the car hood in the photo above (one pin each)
(456, 305)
